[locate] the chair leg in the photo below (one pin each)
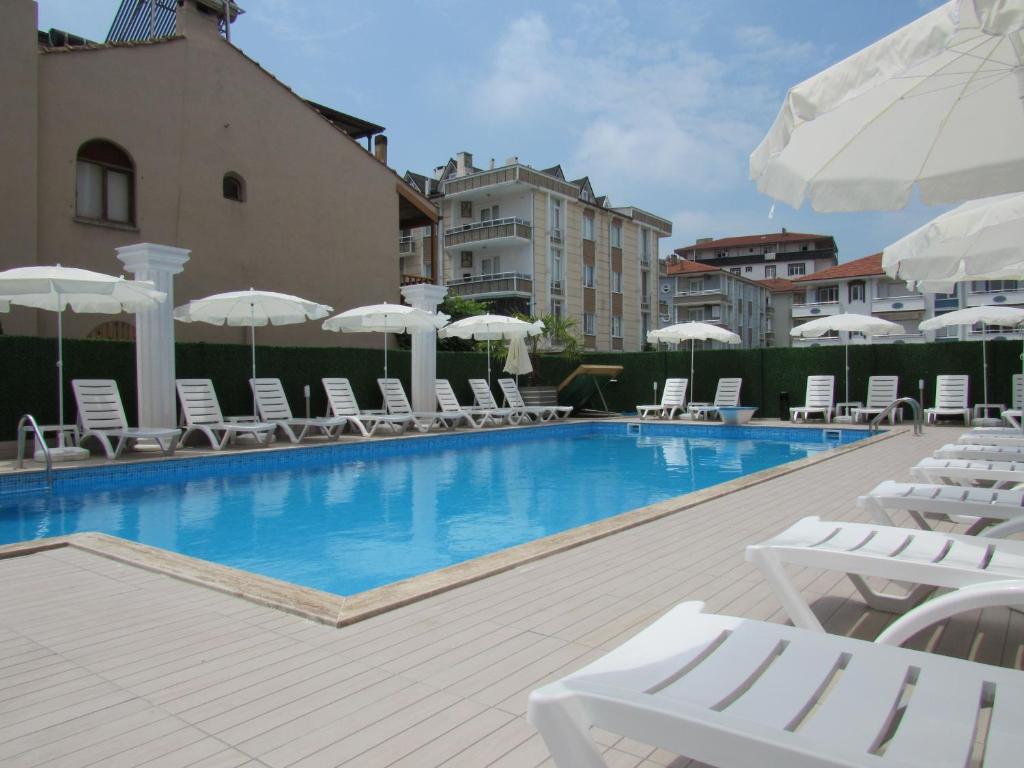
(788, 595)
(891, 603)
(562, 722)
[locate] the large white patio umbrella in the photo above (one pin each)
(936, 104)
(385, 318)
(491, 328)
(1010, 317)
(251, 309)
(692, 331)
(57, 288)
(850, 323)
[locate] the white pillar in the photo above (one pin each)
(154, 330)
(425, 296)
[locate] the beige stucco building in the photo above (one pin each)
(185, 141)
(532, 241)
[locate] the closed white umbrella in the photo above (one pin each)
(57, 288)
(518, 360)
(692, 331)
(936, 104)
(850, 323)
(492, 328)
(1010, 317)
(385, 318)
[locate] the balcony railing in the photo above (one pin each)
(500, 284)
(494, 229)
(987, 298)
(816, 309)
(414, 280)
(909, 303)
(507, 175)
(406, 245)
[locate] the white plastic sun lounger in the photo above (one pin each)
(272, 405)
(980, 452)
(673, 401)
(992, 474)
(727, 394)
(992, 436)
(883, 391)
(200, 411)
(975, 507)
(397, 403)
(741, 693)
(951, 398)
(450, 406)
(926, 558)
(342, 402)
(485, 401)
(515, 400)
(101, 416)
(1012, 416)
(818, 399)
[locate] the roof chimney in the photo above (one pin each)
(463, 163)
(783, 230)
(380, 147)
(201, 18)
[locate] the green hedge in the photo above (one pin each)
(28, 375)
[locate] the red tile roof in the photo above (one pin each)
(869, 265)
(685, 266)
(778, 284)
(767, 239)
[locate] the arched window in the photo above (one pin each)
(234, 187)
(104, 183)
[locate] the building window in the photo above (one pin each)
(588, 227)
(491, 266)
(645, 326)
(588, 275)
(795, 270)
(233, 187)
(828, 294)
(556, 219)
(734, 270)
(644, 285)
(616, 282)
(556, 268)
(616, 326)
(556, 308)
(645, 246)
(490, 214)
(616, 234)
(104, 183)
(466, 259)
(769, 271)
(695, 315)
(857, 291)
(466, 209)
(589, 324)
(748, 269)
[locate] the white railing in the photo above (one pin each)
(816, 308)
(909, 302)
(488, 223)
(497, 283)
(702, 292)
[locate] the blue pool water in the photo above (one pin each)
(352, 517)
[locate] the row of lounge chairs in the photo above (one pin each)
(673, 400)
(739, 692)
(102, 417)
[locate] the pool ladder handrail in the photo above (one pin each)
(29, 418)
(914, 406)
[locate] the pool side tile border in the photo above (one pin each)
(337, 610)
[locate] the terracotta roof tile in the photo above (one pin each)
(778, 284)
(685, 266)
(869, 265)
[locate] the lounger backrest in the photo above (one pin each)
(674, 393)
(270, 399)
(340, 397)
(882, 390)
(728, 392)
(951, 391)
(395, 400)
(482, 393)
(511, 393)
(446, 396)
(99, 404)
(198, 400)
(819, 391)
(1018, 391)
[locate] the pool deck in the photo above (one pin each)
(104, 663)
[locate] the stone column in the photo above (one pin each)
(424, 345)
(154, 330)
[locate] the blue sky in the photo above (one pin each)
(660, 103)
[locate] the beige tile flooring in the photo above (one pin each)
(105, 664)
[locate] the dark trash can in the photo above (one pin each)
(784, 406)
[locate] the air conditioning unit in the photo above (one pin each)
(770, 256)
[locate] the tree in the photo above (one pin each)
(559, 338)
(459, 307)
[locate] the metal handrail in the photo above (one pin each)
(914, 406)
(28, 417)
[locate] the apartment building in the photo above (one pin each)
(776, 255)
(692, 291)
(532, 241)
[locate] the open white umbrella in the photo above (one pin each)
(491, 328)
(850, 323)
(1009, 317)
(385, 318)
(692, 331)
(251, 309)
(935, 104)
(55, 289)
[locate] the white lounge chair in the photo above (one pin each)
(951, 398)
(991, 436)
(978, 508)
(818, 399)
(928, 559)
(992, 474)
(342, 402)
(1013, 415)
(741, 693)
(101, 415)
(485, 401)
(396, 403)
(514, 399)
(673, 401)
(451, 407)
(272, 406)
(990, 452)
(883, 391)
(200, 412)
(727, 394)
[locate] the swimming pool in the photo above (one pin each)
(348, 518)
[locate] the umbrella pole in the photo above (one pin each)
(60, 370)
(385, 351)
(252, 345)
(693, 343)
(488, 361)
(846, 347)
(984, 364)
